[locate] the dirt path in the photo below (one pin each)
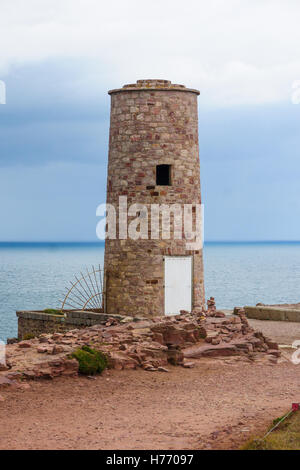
(215, 405)
(283, 332)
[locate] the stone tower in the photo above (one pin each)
(153, 159)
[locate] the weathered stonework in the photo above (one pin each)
(153, 122)
(273, 313)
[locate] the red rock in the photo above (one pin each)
(24, 344)
(158, 337)
(210, 351)
(219, 314)
(215, 341)
(13, 375)
(256, 342)
(43, 339)
(45, 373)
(271, 344)
(245, 346)
(236, 320)
(5, 381)
(211, 335)
(119, 360)
(70, 367)
(175, 356)
(147, 343)
(29, 374)
(274, 352)
(56, 336)
(226, 338)
(57, 349)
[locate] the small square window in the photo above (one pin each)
(163, 175)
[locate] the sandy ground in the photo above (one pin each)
(215, 405)
(281, 331)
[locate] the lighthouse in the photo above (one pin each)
(153, 166)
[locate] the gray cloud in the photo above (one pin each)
(61, 57)
(48, 118)
(236, 52)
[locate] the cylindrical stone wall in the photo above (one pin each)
(152, 122)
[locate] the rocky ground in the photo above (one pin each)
(151, 344)
(282, 332)
(231, 383)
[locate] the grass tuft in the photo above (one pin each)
(285, 437)
(53, 311)
(28, 336)
(90, 361)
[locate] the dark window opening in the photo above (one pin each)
(163, 175)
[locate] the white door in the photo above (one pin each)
(178, 284)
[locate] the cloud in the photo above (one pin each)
(52, 115)
(64, 87)
(236, 52)
(59, 58)
(56, 201)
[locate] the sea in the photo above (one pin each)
(35, 276)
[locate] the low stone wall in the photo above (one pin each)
(36, 323)
(272, 313)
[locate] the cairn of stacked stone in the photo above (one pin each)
(212, 310)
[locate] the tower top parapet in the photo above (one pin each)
(153, 84)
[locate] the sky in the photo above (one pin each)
(59, 58)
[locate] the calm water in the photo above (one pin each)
(33, 276)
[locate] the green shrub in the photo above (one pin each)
(90, 361)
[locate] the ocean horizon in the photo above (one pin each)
(34, 275)
(101, 242)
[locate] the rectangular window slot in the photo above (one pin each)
(163, 175)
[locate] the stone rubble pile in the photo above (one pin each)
(232, 336)
(151, 344)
